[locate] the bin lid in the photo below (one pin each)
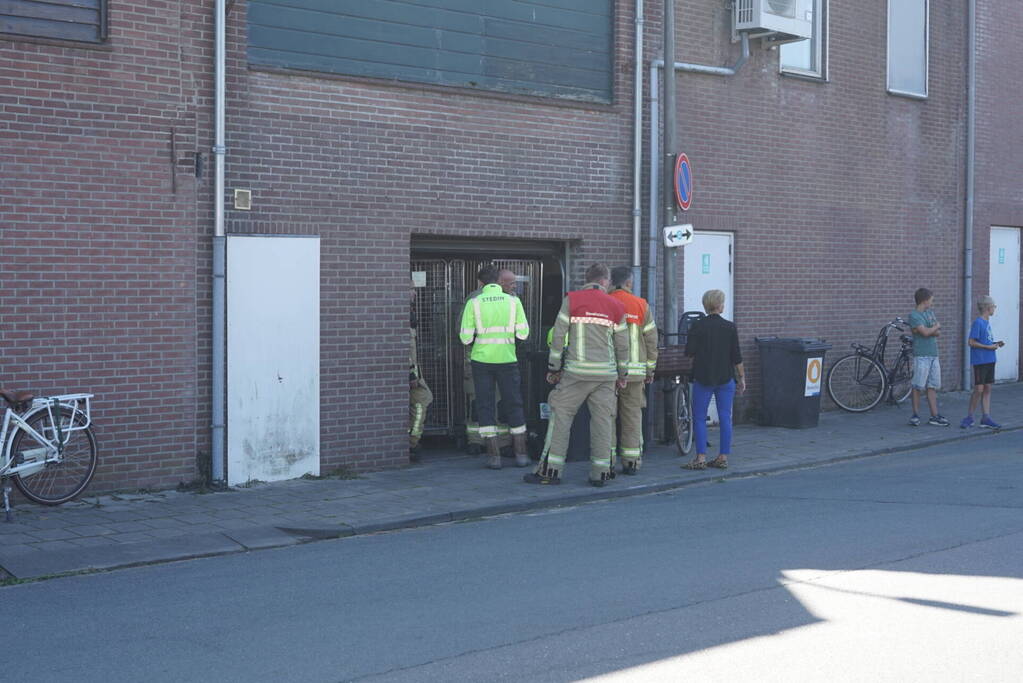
(793, 343)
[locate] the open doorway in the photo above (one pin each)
(444, 272)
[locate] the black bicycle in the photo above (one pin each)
(675, 367)
(857, 382)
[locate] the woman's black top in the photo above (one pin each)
(713, 342)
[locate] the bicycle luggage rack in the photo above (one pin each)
(80, 404)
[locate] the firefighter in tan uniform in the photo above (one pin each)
(419, 395)
(639, 369)
(588, 360)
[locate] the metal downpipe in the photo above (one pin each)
(637, 153)
(971, 113)
(219, 309)
(670, 274)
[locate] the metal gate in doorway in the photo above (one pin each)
(438, 306)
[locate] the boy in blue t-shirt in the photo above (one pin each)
(982, 358)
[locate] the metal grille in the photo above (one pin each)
(432, 307)
(744, 12)
(438, 307)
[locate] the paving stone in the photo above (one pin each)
(37, 564)
(91, 541)
(167, 523)
(128, 527)
(53, 545)
(53, 534)
(255, 538)
(90, 530)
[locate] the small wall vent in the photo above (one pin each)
(243, 199)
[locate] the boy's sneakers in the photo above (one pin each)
(967, 422)
(986, 421)
(914, 421)
(938, 421)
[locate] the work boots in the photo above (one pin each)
(543, 475)
(493, 454)
(521, 452)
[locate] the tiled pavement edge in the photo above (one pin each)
(132, 529)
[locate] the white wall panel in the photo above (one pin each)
(273, 357)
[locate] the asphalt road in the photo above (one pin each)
(902, 568)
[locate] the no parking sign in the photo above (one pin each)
(683, 182)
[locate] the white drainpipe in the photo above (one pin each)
(971, 113)
(219, 350)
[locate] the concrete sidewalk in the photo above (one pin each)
(124, 530)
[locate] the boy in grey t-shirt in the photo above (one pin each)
(926, 369)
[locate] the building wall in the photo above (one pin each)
(366, 164)
(98, 220)
(843, 199)
(999, 191)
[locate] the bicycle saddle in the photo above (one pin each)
(16, 397)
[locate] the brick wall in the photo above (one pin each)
(843, 199)
(999, 192)
(98, 221)
(365, 165)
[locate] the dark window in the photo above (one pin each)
(553, 48)
(83, 20)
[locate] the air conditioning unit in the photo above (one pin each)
(779, 21)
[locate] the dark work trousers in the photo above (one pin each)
(506, 376)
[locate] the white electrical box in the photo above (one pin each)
(780, 21)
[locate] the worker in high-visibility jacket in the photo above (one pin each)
(474, 442)
(419, 395)
(491, 322)
(588, 360)
(639, 370)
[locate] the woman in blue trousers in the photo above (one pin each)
(713, 343)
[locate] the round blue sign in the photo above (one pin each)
(683, 182)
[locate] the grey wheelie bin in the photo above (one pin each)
(792, 376)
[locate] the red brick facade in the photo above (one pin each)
(842, 198)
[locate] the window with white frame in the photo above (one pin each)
(908, 37)
(808, 57)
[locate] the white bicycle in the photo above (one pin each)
(48, 449)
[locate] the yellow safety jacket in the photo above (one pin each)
(491, 322)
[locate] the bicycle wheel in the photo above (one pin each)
(901, 379)
(62, 480)
(683, 419)
(856, 383)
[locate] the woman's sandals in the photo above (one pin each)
(695, 465)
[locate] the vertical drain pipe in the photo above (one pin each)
(669, 272)
(971, 123)
(637, 154)
(219, 251)
(653, 236)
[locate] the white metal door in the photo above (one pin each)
(1005, 286)
(708, 265)
(273, 357)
